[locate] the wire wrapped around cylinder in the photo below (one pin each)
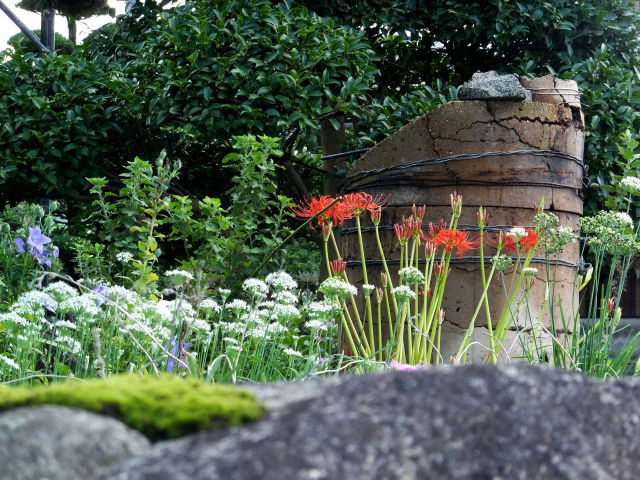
(466, 259)
(406, 180)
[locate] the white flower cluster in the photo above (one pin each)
(403, 293)
(255, 288)
(67, 343)
(83, 306)
(612, 231)
(10, 362)
(554, 240)
(502, 262)
(529, 271)
(61, 290)
(281, 281)
(411, 275)
(124, 257)
(334, 287)
(517, 233)
(181, 276)
(291, 352)
(631, 185)
(209, 305)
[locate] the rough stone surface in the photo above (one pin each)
(60, 443)
(491, 86)
(475, 422)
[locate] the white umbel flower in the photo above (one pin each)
(403, 293)
(10, 362)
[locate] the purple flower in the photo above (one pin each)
(174, 351)
(37, 240)
(403, 367)
(101, 291)
(19, 245)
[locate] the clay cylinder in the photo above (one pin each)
(533, 150)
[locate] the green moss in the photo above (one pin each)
(159, 407)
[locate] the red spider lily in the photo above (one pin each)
(360, 202)
(421, 292)
(375, 216)
(434, 228)
(418, 212)
(429, 249)
(438, 269)
(338, 266)
(450, 239)
(526, 242)
(336, 214)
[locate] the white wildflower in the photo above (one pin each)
(529, 271)
(230, 340)
(181, 275)
(84, 305)
(517, 233)
(281, 281)
(293, 353)
(10, 362)
(276, 328)
(210, 305)
(224, 292)
(35, 300)
(403, 293)
(61, 290)
(234, 347)
(501, 262)
(624, 218)
(285, 313)
(283, 296)
(124, 257)
(368, 289)
(317, 325)
(411, 275)
(255, 287)
(65, 324)
(14, 318)
(237, 305)
(68, 343)
(334, 287)
(631, 184)
(200, 325)
(121, 296)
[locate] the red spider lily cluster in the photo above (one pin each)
(516, 241)
(349, 206)
(439, 235)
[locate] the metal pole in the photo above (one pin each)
(30, 35)
(47, 29)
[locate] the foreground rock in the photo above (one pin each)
(513, 422)
(59, 443)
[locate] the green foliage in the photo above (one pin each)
(59, 123)
(184, 80)
(68, 8)
(20, 42)
(159, 407)
(210, 70)
(225, 242)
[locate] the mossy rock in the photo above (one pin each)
(159, 407)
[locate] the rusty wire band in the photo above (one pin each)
(464, 228)
(474, 156)
(467, 259)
